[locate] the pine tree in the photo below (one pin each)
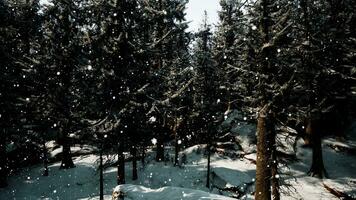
(117, 57)
(229, 43)
(7, 33)
(206, 88)
(169, 49)
(64, 49)
(324, 63)
(13, 96)
(266, 59)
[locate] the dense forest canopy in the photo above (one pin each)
(125, 77)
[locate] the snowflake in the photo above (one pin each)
(152, 119)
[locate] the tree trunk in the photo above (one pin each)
(143, 155)
(160, 150)
(274, 169)
(67, 161)
(101, 174)
(263, 170)
(317, 168)
(208, 148)
(176, 150)
(121, 163)
(134, 162)
(3, 160)
(208, 166)
(45, 159)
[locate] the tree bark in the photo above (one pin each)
(101, 174)
(160, 149)
(121, 162)
(317, 168)
(208, 166)
(45, 159)
(209, 155)
(143, 155)
(67, 161)
(134, 162)
(263, 170)
(3, 161)
(274, 170)
(176, 149)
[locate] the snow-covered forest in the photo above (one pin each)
(116, 99)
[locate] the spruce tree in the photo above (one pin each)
(206, 88)
(168, 48)
(229, 44)
(64, 51)
(265, 79)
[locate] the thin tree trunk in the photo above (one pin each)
(263, 171)
(160, 149)
(208, 148)
(134, 162)
(45, 159)
(317, 168)
(143, 156)
(176, 149)
(208, 165)
(3, 160)
(274, 169)
(101, 173)
(67, 161)
(121, 163)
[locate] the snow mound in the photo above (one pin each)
(135, 192)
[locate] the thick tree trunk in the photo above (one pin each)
(263, 170)
(3, 160)
(134, 162)
(101, 174)
(317, 168)
(121, 162)
(67, 161)
(160, 150)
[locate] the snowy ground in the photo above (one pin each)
(165, 180)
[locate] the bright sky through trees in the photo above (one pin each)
(195, 12)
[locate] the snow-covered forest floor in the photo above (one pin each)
(165, 181)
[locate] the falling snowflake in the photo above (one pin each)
(152, 119)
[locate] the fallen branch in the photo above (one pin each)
(337, 193)
(253, 161)
(338, 148)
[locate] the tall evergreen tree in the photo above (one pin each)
(206, 88)
(266, 59)
(169, 50)
(64, 50)
(229, 44)
(324, 63)
(15, 51)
